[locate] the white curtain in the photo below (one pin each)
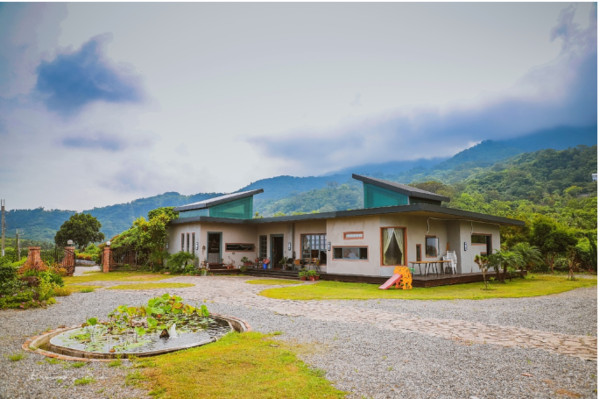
(388, 234)
(399, 234)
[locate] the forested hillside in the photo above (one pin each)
(540, 179)
(41, 225)
(555, 183)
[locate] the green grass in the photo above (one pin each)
(248, 365)
(74, 365)
(15, 357)
(536, 285)
(84, 380)
(115, 363)
(273, 281)
(135, 378)
(149, 286)
(83, 288)
(114, 276)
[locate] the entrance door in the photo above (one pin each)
(276, 250)
(213, 256)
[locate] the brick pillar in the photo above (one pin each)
(34, 261)
(69, 260)
(106, 255)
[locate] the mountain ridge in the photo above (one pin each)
(42, 225)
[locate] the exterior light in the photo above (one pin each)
(108, 243)
(70, 243)
(329, 246)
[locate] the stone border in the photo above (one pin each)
(33, 344)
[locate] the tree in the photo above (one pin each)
(530, 254)
(552, 238)
(482, 262)
(148, 238)
(505, 260)
(82, 228)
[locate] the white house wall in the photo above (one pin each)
(467, 256)
(451, 234)
(230, 233)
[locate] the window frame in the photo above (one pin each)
(437, 246)
(404, 254)
(360, 234)
(321, 251)
(359, 247)
(251, 247)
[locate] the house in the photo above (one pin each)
(398, 225)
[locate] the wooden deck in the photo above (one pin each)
(418, 281)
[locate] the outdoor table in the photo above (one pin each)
(430, 263)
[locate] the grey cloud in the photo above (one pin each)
(428, 133)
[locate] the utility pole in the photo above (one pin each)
(18, 247)
(2, 203)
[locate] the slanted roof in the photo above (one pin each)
(218, 200)
(419, 209)
(411, 192)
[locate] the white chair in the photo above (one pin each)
(451, 256)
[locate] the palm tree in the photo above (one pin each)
(530, 253)
(505, 260)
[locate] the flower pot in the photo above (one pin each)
(312, 278)
(303, 278)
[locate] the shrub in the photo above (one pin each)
(181, 262)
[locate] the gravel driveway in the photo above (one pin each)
(543, 347)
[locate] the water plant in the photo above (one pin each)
(130, 327)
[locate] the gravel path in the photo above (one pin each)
(374, 349)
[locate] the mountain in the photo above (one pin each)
(543, 178)
(301, 194)
(41, 225)
(490, 151)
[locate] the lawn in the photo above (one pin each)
(149, 286)
(114, 276)
(535, 285)
(273, 281)
(248, 365)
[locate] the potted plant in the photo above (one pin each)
(246, 262)
(312, 275)
(302, 275)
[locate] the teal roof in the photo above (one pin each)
(234, 206)
(222, 199)
(380, 192)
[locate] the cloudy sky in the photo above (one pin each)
(104, 103)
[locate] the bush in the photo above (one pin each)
(9, 280)
(181, 262)
(32, 289)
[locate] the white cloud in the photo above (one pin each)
(238, 92)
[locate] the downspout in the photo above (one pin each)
(293, 236)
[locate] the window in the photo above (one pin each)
(314, 246)
(431, 246)
(481, 240)
(187, 243)
(182, 241)
(193, 243)
(262, 247)
(239, 247)
(393, 246)
(354, 235)
(351, 253)
(419, 257)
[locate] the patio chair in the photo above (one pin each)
(451, 256)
